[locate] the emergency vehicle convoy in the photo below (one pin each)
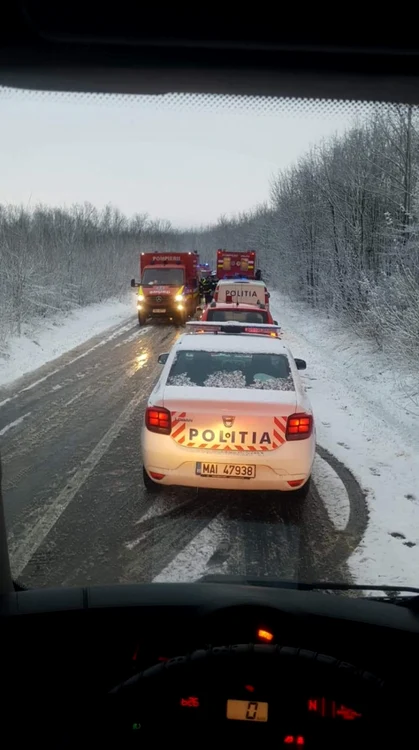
(229, 412)
(169, 286)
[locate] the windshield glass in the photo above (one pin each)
(163, 277)
(323, 198)
(241, 316)
(231, 370)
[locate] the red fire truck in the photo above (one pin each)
(235, 264)
(169, 286)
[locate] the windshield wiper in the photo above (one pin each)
(392, 593)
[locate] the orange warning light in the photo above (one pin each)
(265, 635)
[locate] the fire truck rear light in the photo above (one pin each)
(299, 426)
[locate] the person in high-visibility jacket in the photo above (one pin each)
(205, 289)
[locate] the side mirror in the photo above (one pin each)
(133, 283)
(276, 323)
(162, 358)
(301, 364)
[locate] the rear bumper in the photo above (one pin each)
(274, 469)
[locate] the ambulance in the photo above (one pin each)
(229, 411)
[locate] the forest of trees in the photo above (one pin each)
(339, 232)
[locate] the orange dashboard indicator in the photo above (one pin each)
(191, 702)
(265, 635)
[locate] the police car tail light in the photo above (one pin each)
(299, 426)
(158, 419)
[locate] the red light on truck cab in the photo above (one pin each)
(299, 426)
(158, 419)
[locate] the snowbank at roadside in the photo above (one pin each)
(42, 341)
(366, 416)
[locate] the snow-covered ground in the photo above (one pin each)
(366, 416)
(46, 340)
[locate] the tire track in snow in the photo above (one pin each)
(259, 534)
(332, 491)
(40, 459)
(347, 540)
(16, 422)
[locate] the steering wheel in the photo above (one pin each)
(252, 691)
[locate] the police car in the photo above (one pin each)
(229, 412)
(219, 312)
(248, 291)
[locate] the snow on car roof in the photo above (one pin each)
(227, 342)
(234, 396)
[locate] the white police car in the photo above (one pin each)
(229, 412)
(249, 291)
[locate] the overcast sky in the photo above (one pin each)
(189, 162)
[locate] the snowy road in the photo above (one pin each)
(76, 510)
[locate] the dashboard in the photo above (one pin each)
(137, 662)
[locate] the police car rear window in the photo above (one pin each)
(242, 316)
(231, 370)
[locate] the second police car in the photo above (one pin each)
(229, 411)
(221, 312)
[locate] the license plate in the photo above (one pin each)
(159, 310)
(241, 471)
